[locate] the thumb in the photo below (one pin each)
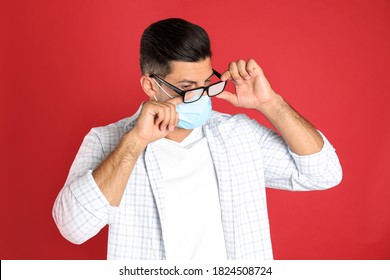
(228, 96)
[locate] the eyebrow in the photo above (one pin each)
(193, 82)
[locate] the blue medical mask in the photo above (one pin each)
(196, 114)
(192, 115)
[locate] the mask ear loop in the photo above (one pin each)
(155, 98)
(162, 89)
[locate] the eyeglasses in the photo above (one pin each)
(193, 95)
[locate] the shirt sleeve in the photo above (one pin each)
(81, 210)
(283, 169)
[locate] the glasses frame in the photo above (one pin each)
(182, 93)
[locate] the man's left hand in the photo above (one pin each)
(253, 90)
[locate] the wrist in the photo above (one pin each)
(272, 106)
(132, 144)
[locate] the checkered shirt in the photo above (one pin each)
(247, 157)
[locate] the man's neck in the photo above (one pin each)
(178, 134)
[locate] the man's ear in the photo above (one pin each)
(148, 85)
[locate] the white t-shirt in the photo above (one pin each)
(193, 226)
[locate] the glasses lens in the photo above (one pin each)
(194, 95)
(216, 88)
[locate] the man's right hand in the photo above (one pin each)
(156, 120)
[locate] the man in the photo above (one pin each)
(180, 181)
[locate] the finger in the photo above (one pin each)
(161, 112)
(175, 101)
(169, 116)
(226, 76)
(253, 68)
(241, 66)
(174, 120)
(148, 112)
(159, 115)
(174, 116)
(233, 69)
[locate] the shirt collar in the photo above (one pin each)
(131, 121)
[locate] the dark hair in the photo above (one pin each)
(170, 40)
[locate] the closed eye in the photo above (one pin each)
(187, 86)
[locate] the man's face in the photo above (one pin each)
(187, 75)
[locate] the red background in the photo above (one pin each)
(67, 66)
